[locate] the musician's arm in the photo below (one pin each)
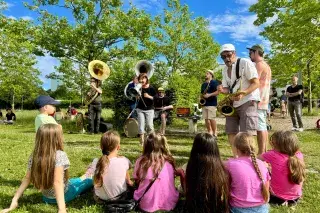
(168, 107)
(254, 84)
(99, 90)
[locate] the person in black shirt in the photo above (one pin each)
(294, 104)
(145, 107)
(162, 106)
(10, 117)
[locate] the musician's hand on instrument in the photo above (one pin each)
(206, 95)
(238, 97)
(146, 95)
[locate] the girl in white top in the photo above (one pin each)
(110, 171)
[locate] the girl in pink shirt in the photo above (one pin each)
(249, 188)
(155, 162)
(288, 169)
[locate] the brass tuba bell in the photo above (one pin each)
(99, 70)
(144, 66)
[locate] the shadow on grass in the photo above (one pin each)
(81, 143)
(6, 182)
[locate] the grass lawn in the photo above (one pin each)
(16, 144)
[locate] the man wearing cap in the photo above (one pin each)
(209, 93)
(245, 80)
(162, 106)
(264, 75)
(46, 106)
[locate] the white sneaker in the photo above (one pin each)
(294, 129)
(300, 129)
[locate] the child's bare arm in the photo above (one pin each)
(58, 186)
(24, 184)
(128, 180)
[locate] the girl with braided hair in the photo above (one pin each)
(288, 169)
(249, 188)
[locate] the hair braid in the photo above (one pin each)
(265, 191)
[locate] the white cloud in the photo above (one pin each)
(246, 2)
(149, 4)
(28, 18)
(12, 17)
(46, 66)
(240, 27)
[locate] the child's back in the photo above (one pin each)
(162, 195)
(245, 188)
(114, 178)
(281, 186)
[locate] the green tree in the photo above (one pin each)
(98, 29)
(295, 36)
(19, 80)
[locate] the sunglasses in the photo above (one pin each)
(225, 56)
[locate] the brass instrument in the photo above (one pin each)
(202, 100)
(225, 106)
(99, 71)
(142, 66)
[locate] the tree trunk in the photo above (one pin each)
(309, 88)
(12, 105)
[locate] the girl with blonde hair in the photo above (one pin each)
(48, 170)
(249, 188)
(288, 169)
(156, 165)
(110, 172)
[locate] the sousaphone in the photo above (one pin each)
(99, 71)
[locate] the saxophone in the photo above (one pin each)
(202, 100)
(225, 106)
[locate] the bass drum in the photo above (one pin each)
(131, 129)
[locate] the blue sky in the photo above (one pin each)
(230, 22)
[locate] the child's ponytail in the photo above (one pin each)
(264, 189)
(243, 142)
(297, 170)
(108, 143)
(101, 165)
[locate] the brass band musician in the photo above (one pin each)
(209, 94)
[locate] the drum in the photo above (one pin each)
(131, 128)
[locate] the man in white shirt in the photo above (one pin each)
(245, 118)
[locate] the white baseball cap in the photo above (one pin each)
(227, 47)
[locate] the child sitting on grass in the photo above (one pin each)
(249, 188)
(206, 182)
(110, 171)
(48, 171)
(288, 169)
(155, 162)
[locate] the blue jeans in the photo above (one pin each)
(145, 119)
(76, 187)
(257, 209)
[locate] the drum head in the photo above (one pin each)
(131, 128)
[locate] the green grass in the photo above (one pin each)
(17, 143)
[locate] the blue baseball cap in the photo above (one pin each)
(43, 100)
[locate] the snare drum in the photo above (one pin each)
(131, 128)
